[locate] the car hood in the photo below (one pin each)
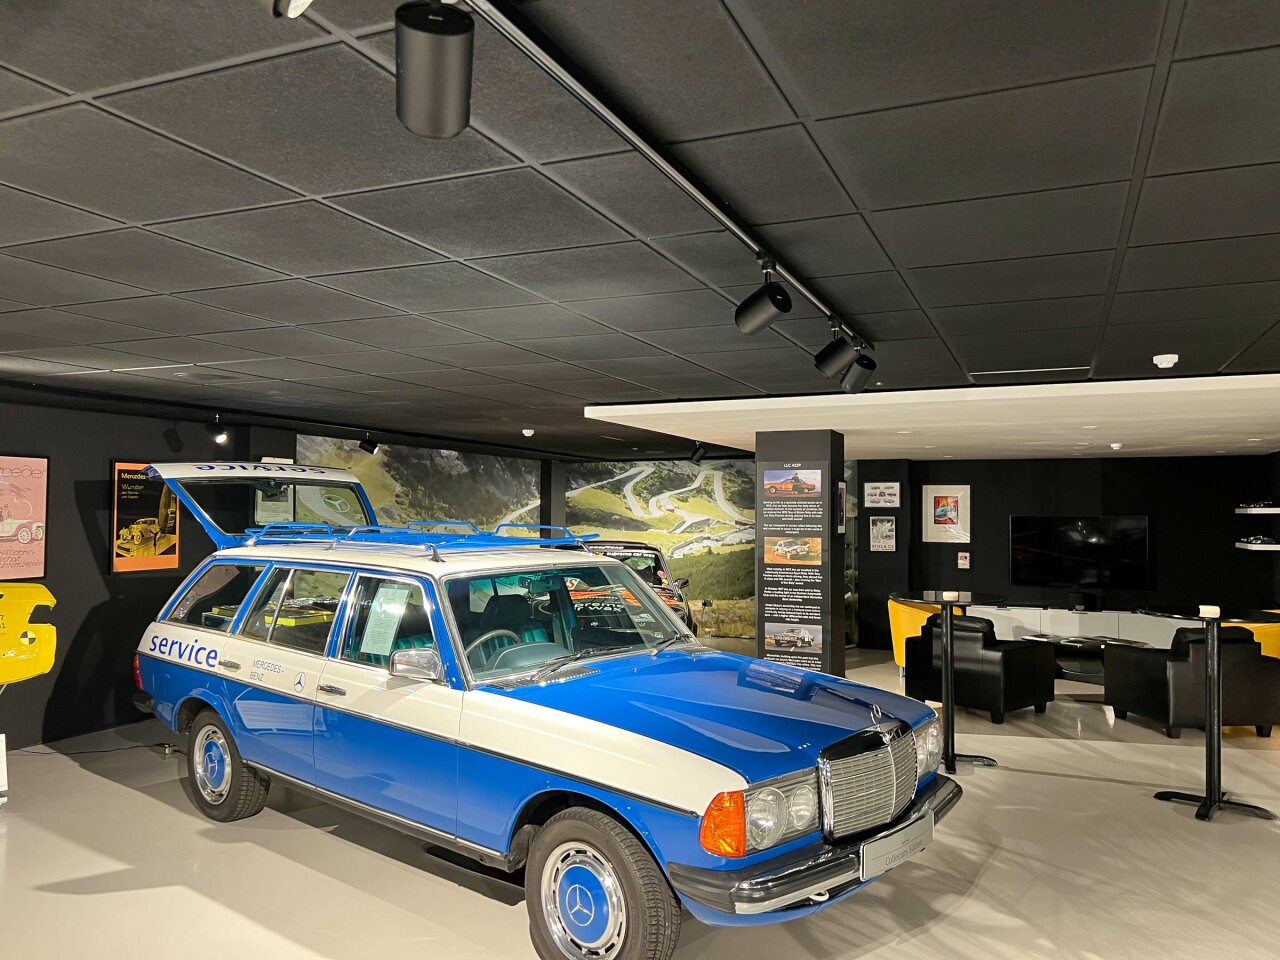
(757, 718)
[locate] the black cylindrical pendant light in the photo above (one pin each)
(433, 68)
(833, 359)
(858, 375)
(769, 303)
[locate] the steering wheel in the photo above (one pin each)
(491, 635)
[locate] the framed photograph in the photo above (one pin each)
(144, 521)
(24, 509)
(842, 506)
(882, 494)
(945, 513)
(884, 534)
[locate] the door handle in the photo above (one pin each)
(228, 665)
(330, 688)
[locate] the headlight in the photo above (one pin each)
(782, 810)
(928, 747)
(767, 818)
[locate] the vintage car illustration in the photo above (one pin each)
(791, 637)
(791, 548)
(651, 563)
(458, 687)
(794, 484)
(24, 531)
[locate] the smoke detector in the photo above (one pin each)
(527, 431)
(1165, 361)
(1116, 446)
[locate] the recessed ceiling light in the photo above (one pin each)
(528, 431)
(1165, 361)
(1116, 446)
(1255, 439)
(1092, 426)
(1082, 443)
(930, 446)
(904, 431)
(1219, 451)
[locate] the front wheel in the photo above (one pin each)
(594, 893)
(223, 786)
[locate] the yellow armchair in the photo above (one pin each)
(1268, 635)
(907, 620)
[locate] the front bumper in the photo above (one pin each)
(807, 877)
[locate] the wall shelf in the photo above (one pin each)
(1258, 546)
(1272, 510)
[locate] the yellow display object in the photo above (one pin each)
(1268, 635)
(26, 648)
(907, 620)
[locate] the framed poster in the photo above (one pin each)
(884, 534)
(945, 513)
(883, 494)
(144, 521)
(24, 508)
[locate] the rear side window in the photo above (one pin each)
(215, 597)
(297, 608)
(386, 615)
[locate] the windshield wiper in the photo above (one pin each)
(551, 666)
(672, 641)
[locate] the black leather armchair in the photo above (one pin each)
(1168, 685)
(990, 674)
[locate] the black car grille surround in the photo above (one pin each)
(867, 779)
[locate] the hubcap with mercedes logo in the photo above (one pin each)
(582, 902)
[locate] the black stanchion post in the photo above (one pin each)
(948, 694)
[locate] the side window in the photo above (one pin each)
(215, 598)
(296, 608)
(386, 615)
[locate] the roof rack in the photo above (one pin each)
(416, 534)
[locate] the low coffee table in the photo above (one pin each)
(1081, 658)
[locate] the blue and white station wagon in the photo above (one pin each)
(517, 699)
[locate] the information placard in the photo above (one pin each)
(144, 521)
(793, 517)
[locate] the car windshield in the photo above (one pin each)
(517, 622)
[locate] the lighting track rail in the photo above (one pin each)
(569, 76)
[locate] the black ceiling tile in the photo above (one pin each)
(700, 385)
(291, 302)
(66, 327)
(632, 191)
(278, 368)
(289, 389)
(615, 270)
(362, 383)
(1133, 362)
(95, 357)
(905, 378)
(1069, 347)
(901, 371)
(357, 14)
(513, 211)
(42, 285)
(1261, 357)
(7, 305)
(482, 352)
(299, 238)
(1188, 303)
(728, 337)
(779, 382)
(902, 351)
(553, 373)
(13, 366)
(142, 259)
(190, 375)
(1035, 278)
(20, 339)
(660, 311)
(1016, 377)
(1219, 112)
(437, 286)
(1235, 260)
(101, 43)
(827, 246)
(718, 258)
(875, 327)
(519, 394)
(445, 379)
(169, 315)
(24, 217)
(1218, 26)
(597, 347)
(1214, 203)
(522, 323)
(186, 350)
(395, 333)
(1018, 317)
(17, 92)
(686, 69)
(86, 157)
(865, 293)
(321, 120)
(767, 175)
(1028, 224)
(642, 368)
(1173, 336)
(379, 362)
(854, 57)
(285, 342)
(734, 362)
(609, 390)
(1055, 135)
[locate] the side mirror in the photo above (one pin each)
(682, 582)
(420, 664)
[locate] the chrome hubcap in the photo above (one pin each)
(212, 764)
(582, 903)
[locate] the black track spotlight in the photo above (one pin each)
(218, 431)
(859, 374)
(433, 68)
(764, 306)
(699, 454)
(834, 359)
(368, 446)
(292, 9)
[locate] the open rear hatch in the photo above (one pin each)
(231, 500)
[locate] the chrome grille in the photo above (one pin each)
(871, 787)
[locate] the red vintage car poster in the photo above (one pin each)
(24, 505)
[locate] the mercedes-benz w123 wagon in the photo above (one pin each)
(471, 689)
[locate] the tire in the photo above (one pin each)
(582, 861)
(223, 786)
(24, 535)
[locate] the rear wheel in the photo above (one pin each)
(593, 892)
(223, 786)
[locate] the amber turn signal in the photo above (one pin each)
(724, 826)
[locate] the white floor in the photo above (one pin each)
(1059, 853)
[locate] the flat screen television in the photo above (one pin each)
(1079, 552)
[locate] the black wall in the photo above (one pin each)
(99, 616)
(1193, 529)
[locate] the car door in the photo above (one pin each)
(383, 741)
(280, 655)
